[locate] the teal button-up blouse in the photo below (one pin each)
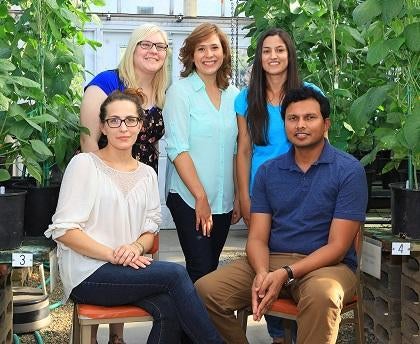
(194, 125)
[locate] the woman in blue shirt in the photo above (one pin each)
(261, 128)
(144, 66)
(201, 134)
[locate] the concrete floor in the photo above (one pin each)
(170, 250)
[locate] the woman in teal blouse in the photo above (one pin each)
(201, 132)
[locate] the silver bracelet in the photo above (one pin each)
(139, 245)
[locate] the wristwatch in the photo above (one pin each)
(290, 276)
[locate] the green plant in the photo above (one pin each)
(392, 31)
(41, 58)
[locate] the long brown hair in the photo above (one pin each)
(199, 34)
(257, 113)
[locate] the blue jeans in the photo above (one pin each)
(201, 253)
(274, 326)
(163, 289)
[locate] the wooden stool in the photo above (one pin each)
(85, 315)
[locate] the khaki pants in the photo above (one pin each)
(320, 296)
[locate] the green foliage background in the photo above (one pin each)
(365, 56)
(41, 57)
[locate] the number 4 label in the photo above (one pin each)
(20, 260)
(400, 249)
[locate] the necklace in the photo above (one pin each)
(273, 100)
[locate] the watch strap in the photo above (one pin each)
(289, 272)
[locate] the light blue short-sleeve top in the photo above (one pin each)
(277, 141)
(194, 125)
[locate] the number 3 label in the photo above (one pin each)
(400, 249)
(20, 260)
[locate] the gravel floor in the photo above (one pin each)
(59, 330)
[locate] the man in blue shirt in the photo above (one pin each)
(306, 209)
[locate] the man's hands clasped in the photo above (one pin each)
(265, 290)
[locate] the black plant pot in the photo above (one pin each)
(12, 208)
(405, 210)
(40, 206)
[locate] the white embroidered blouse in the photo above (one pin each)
(111, 206)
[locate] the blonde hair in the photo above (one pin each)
(126, 66)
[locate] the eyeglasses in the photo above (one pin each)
(115, 122)
(147, 45)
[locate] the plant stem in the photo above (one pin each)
(333, 44)
(41, 104)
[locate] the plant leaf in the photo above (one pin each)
(394, 117)
(412, 36)
(411, 132)
(32, 124)
(377, 52)
(6, 65)
(394, 44)
(4, 175)
(34, 169)
(355, 34)
(341, 92)
(363, 107)
(52, 4)
(53, 27)
(22, 81)
(366, 11)
(21, 130)
(40, 147)
(391, 9)
(4, 102)
(348, 127)
(44, 119)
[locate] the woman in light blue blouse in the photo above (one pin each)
(201, 132)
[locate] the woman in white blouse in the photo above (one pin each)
(107, 215)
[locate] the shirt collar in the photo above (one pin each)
(196, 81)
(326, 157)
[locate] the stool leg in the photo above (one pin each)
(85, 331)
(43, 283)
(242, 316)
(53, 269)
(359, 324)
(75, 327)
(287, 323)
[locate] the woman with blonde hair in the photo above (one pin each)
(201, 133)
(144, 66)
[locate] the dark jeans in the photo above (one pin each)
(201, 253)
(163, 289)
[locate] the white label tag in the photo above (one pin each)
(371, 257)
(20, 260)
(400, 249)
